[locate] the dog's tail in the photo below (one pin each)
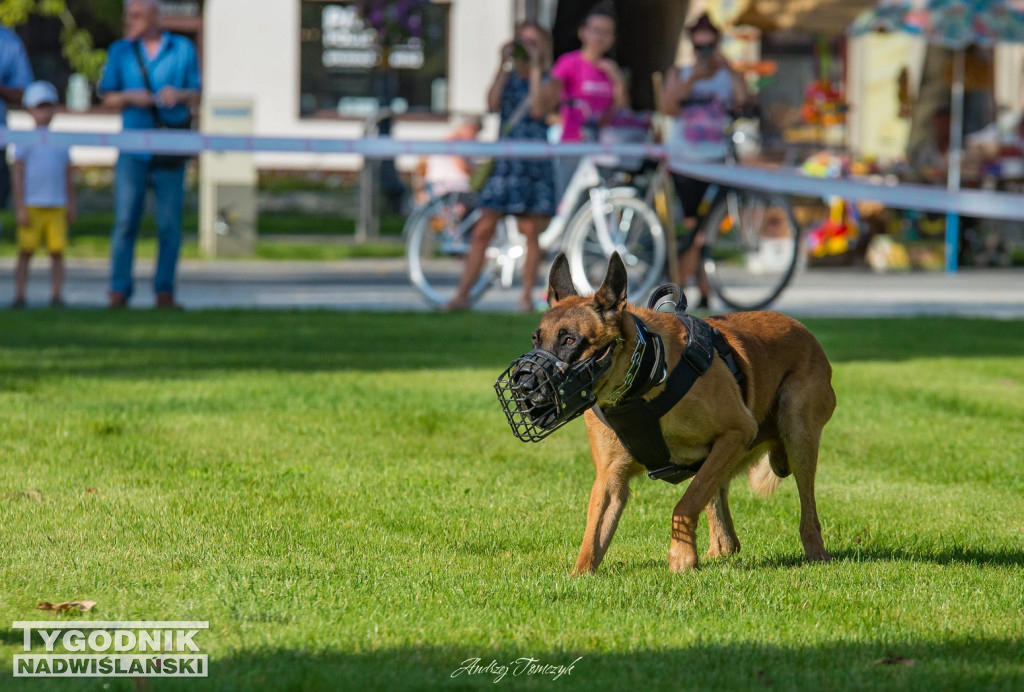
(763, 480)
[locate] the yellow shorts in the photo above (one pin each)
(45, 224)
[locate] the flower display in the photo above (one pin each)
(823, 105)
(395, 21)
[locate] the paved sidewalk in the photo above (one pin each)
(382, 285)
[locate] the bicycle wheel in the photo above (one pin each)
(752, 248)
(437, 241)
(626, 225)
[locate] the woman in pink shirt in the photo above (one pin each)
(589, 86)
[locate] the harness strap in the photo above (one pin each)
(636, 422)
(697, 358)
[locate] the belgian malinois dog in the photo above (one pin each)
(769, 425)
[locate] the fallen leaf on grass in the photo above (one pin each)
(31, 494)
(82, 606)
(91, 490)
(893, 660)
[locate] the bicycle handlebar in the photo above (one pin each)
(746, 110)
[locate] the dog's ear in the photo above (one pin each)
(560, 280)
(611, 297)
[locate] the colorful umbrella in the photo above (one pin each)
(951, 23)
(954, 24)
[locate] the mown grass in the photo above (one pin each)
(339, 496)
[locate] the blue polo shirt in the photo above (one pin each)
(173, 65)
(15, 71)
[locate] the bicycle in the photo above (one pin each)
(437, 236)
(752, 242)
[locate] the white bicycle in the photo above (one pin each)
(594, 220)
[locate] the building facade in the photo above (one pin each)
(309, 70)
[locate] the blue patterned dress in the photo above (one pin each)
(520, 186)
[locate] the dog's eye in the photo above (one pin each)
(534, 338)
(569, 341)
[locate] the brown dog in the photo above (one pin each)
(776, 418)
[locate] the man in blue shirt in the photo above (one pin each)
(153, 77)
(15, 75)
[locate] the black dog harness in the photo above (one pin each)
(635, 420)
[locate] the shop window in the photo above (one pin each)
(342, 69)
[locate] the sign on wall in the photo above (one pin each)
(345, 71)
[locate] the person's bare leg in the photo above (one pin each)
(690, 264)
(703, 283)
(481, 236)
(688, 258)
(56, 277)
(21, 276)
(531, 227)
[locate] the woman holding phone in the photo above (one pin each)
(702, 97)
(524, 188)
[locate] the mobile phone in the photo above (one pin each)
(519, 51)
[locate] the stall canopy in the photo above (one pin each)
(822, 17)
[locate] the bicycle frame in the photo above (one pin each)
(507, 250)
(586, 184)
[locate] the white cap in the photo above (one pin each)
(38, 93)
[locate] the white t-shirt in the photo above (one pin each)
(45, 174)
(700, 128)
(444, 174)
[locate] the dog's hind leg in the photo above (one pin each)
(608, 498)
(801, 434)
(802, 449)
(722, 534)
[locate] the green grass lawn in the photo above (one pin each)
(89, 237)
(340, 497)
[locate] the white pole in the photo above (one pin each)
(956, 151)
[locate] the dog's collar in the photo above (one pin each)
(647, 366)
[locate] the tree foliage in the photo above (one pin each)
(76, 42)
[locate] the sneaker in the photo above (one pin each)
(165, 301)
(117, 300)
(19, 304)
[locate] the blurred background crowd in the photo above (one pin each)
(831, 100)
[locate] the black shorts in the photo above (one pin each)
(690, 192)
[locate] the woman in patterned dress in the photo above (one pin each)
(524, 188)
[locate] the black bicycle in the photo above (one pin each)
(752, 243)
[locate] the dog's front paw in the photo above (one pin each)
(821, 555)
(582, 568)
(682, 560)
